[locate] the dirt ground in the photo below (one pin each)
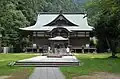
(18, 75)
(4, 77)
(99, 75)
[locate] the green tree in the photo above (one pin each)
(11, 20)
(65, 5)
(106, 21)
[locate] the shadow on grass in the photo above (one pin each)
(90, 63)
(24, 74)
(107, 58)
(94, 57)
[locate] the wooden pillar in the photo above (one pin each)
(32, 40)
(69, 38)
(51, 34)
(75, 50)
(85, 34)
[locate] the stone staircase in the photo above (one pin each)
(45, 61)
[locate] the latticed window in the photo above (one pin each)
(81, 34)
(87, 34)
(34, 33)
(40, 33)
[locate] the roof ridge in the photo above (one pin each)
(62, 13)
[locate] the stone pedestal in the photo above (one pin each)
(5, 49)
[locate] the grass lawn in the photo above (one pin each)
(7, 58)
(91, 63)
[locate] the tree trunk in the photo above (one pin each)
(113, 55)
(108, 44)
(113, 49)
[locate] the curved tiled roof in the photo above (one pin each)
(45, 18)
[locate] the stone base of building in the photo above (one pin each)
(44, 61)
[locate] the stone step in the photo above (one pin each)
(46, 64)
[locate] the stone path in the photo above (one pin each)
(47, 73)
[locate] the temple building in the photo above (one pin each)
(60, 30)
